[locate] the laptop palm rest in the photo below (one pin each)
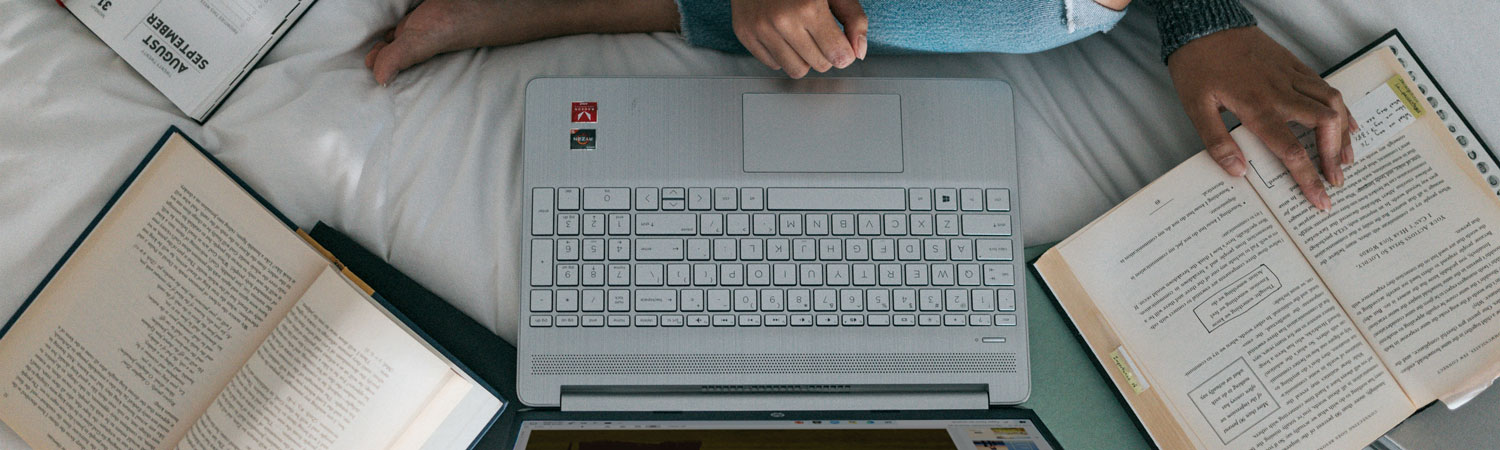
(822, 133)
(774, 398)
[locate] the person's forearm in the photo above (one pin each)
(617, 16)
(1180, 21)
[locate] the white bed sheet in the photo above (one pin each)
(423, 172)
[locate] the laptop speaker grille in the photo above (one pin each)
(758, 363)
(776, 389)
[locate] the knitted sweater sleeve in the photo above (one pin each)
(1180, 21)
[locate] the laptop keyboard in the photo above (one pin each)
(775, 257)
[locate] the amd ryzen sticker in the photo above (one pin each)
(585, 112)
(581, 139)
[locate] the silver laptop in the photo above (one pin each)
(771, 244)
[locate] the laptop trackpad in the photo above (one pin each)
(822, 132)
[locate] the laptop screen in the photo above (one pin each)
(984, 434)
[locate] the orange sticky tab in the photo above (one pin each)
(336, 263)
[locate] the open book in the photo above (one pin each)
(190, 315)
(194, 51)
(1232, 314)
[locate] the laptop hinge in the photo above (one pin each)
(684, 400)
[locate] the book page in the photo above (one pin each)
(153, 313)
(336, 373)
(188, 49)
(1410, 247)
(1221, 316)
(459, 414)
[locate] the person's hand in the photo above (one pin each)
(1246, 72)
(797, 35)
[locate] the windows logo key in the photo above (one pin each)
(581, 139)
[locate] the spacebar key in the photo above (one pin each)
(836, 199)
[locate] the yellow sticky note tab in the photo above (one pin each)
(1127, 369)
(1408, 98)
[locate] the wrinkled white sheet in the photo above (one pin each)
(423, 172)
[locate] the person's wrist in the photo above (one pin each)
(1205, 41)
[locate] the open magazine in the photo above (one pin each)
(194, 51)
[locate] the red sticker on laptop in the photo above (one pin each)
(585, 112)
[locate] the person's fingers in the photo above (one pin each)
(830, 40)
(1221, 147)
(1330, 129)
(1304, 69)
(759, 52)
(790, 62)
(1332, 160)
(1347, 153)
(856, 25)
(1279, 139)
(797, 37)
(1321, 90)
(1328, 95)
(756, 49)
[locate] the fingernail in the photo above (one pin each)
(1322, 201)
(1233, 165)
(843, 61)
(864, 46)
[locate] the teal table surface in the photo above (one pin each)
(1068, 393)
